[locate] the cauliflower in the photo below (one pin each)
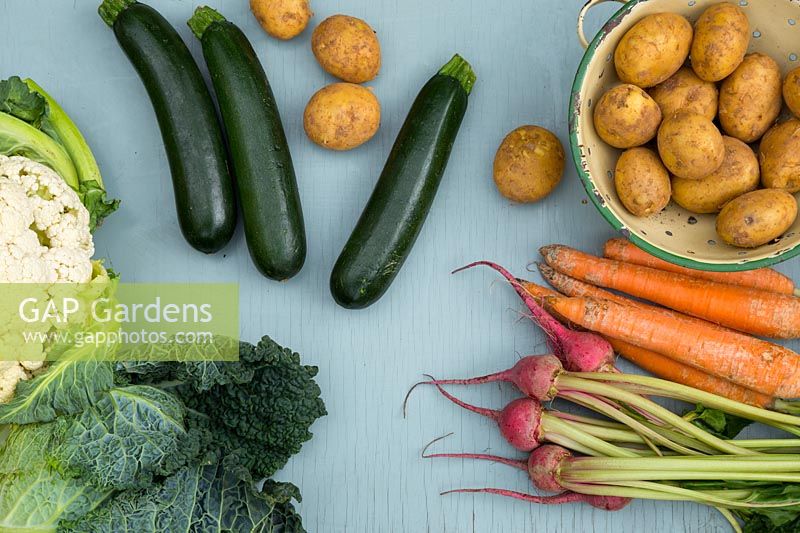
(44, 227)
(44, 239)
(11, 373)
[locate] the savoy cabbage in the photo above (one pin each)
(98, 446)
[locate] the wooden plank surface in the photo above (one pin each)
(362, 472)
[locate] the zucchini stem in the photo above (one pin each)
(203, 17)
(109, 10)
(461, 71)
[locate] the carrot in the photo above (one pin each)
(753, 363)
(572, 287)
(655, 363)
(665, 368)
(750, 310)
(765, 279)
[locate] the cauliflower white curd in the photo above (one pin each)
(44, 227)
(44, 238)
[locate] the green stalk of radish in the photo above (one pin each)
(621, 434)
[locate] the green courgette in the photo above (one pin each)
(192, 135)
(273, 217)
(396, 211)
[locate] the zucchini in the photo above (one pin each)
(273, 216)
(396, 211)
(192, 136)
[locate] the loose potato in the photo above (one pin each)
(756, 218)
(750, 98)
(721, 37)
(642, 182)
(653, 49)
(684, 91)
(738, 174)
(690, 145)
(347, 48)
(283, 19)
(626, 116)
(791, 91)
(529, 164)
(342, 116)
(780, 157)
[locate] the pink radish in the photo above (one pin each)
(519, 421)
(534, 376)
(543, 466)
(526, 425)
(580, 351)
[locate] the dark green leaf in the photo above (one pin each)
(718, 423)
(266, 420)
(18, 100)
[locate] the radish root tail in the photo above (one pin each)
(557, 499)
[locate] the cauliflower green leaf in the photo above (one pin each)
(93, 196)
(35, 126)
(18, 100)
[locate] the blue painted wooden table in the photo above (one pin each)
(362, 472)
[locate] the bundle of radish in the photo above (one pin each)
(649, 453)
(657, 456)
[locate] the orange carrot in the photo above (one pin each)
(665, 368)
(537, 291)
(753, 363)
(750, 310)
(655, 363)
(765, 279)
(572, 287)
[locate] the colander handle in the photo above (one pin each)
(582, 14)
